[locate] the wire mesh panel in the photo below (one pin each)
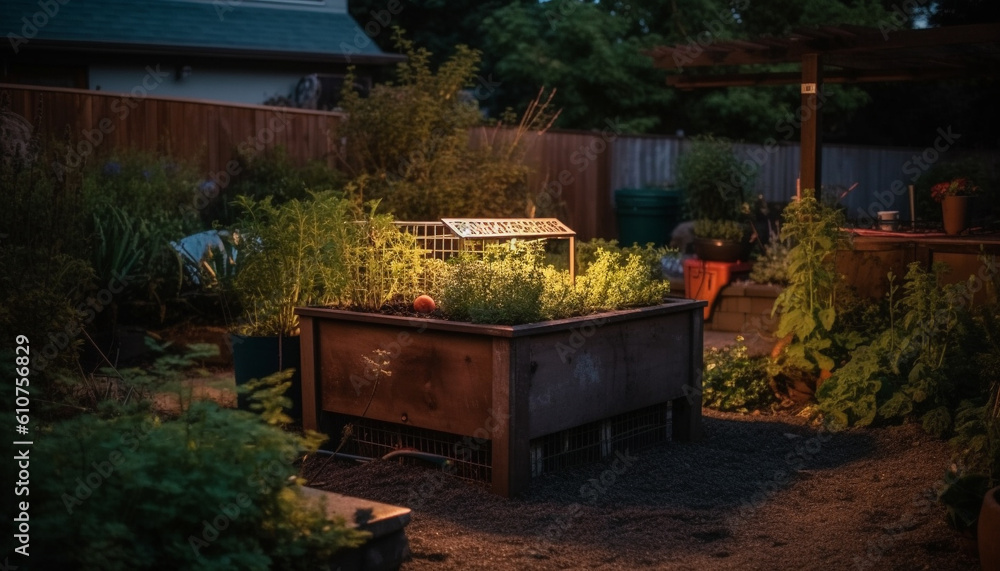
(434, 237)
(595, 441)
(468, 458)
(471, 459)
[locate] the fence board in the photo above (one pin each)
(206, 132)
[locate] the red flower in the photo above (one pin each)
(959, 187)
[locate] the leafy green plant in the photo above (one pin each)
(808, 304)
(734, 381)
(503, 285)
(716, 186)
(292, 255)
(908, 369)
(214, 488)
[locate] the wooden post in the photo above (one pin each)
(511, 467)
(311, 397)
(812, 128)
(686, 424)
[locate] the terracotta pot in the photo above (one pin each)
(955, 212)
(989, 532)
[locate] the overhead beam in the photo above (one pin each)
(790, 78)
(854, 41)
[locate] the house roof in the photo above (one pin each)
(233, 28)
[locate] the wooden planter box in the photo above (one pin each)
(507, 384)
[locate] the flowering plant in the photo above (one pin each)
(958, 187)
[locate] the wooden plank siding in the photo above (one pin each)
(205, 132)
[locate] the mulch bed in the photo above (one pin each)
(758, 492)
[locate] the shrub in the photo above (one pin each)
(149, 187)
(616, 280)
(212, 489)
(652, 256)
(271, 173)
(714, 183)
(408, 143)
(734, 381)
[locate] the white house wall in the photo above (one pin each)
(252, 86)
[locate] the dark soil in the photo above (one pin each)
(757, 493)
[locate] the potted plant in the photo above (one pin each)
(290, 256)
(717, 187)
(954, 198)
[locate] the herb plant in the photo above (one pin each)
(504, 285)
(510, 284)
(292, 255)
(735, 381)
(383, 264)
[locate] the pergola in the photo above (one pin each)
(836, 54)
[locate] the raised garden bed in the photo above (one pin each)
(493, 390)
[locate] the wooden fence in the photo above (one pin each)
(206, 132)
(574, 173)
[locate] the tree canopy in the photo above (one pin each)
(591, 52)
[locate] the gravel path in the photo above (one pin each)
(758, 492)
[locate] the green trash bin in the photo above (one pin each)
(647, 215)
